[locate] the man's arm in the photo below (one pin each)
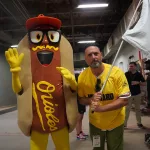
(120, 102)
(127, 76)
(143, 83)
(139, 82)
(85, 100)
(88, 100)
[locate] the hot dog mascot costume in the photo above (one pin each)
(43, 80)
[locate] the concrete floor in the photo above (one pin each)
(12, 139)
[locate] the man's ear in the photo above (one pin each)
(84, 56)
(101, 55)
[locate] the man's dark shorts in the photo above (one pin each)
(81, 108)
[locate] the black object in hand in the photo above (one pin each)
(97, 87)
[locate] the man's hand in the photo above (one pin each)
(97, 96)
(96, 107)
(69, 77)
(95, 101)
(135, 82)
(14, 60)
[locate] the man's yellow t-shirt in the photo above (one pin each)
(116, 86)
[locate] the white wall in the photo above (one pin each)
(123, 57)
(7, 96)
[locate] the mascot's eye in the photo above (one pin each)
(53, 36)
(36, 36)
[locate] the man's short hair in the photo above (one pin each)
(147, 64)
(88, 45)
(147, 61)
(133, 63)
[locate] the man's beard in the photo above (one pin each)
(95, 64)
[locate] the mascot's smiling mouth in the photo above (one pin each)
(45, 57)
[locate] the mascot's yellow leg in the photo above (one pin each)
(38, 141)
(61, 139)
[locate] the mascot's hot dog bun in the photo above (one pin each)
(47, 103)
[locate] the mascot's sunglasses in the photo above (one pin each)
(97, 86)
(36, 36)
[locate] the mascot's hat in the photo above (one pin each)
(43, 20)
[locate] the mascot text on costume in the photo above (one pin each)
(42, 78)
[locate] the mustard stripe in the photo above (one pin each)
(49, 47)
(42, 47)
(37, 106)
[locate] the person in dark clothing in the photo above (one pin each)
(81, 110)
(147, 67)
(135, 80)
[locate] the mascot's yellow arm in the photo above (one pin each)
(16, 85)
(14, 60)
(69, 77)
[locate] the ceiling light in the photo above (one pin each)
(87, 41)
(93, 5)
(14, 46)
